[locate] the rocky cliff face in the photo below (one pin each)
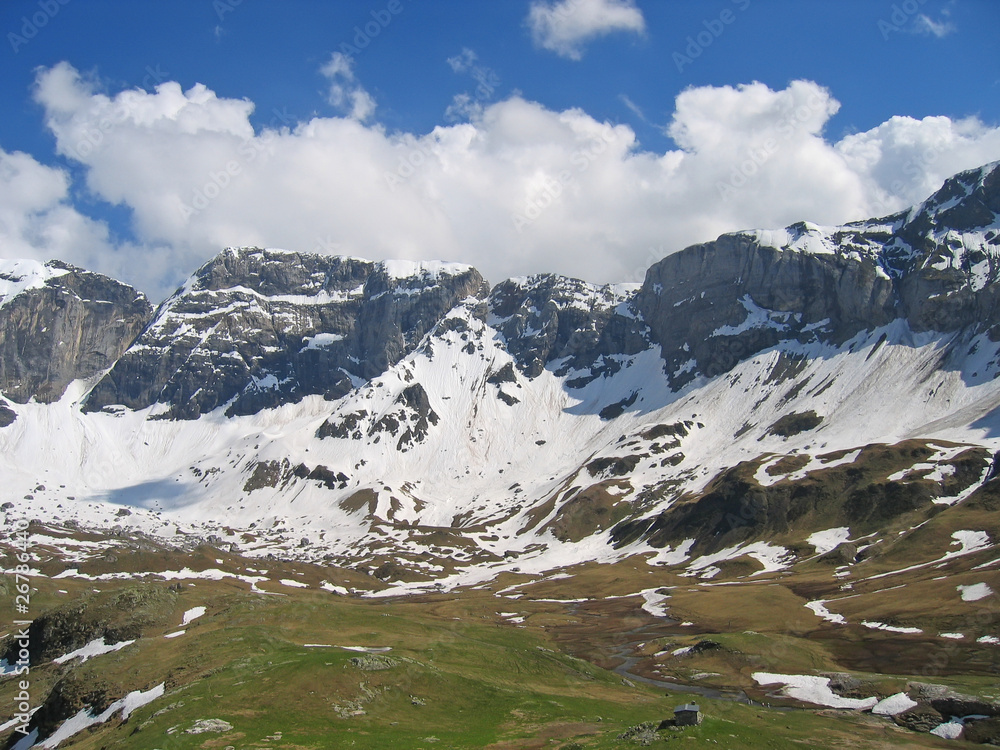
(549, 319)
(256, 328)
(59, 323)
(712, 305)
(955, 241)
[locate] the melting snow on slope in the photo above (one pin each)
(936, 465)
(816, 463)
(975, 592)
(894, 704)
(811, 689)
(92, 649)
(819, 609)
(772, 557)
(971, 541)
(872, 625)
(654, 602)
(830, 539)
(82, 720)
(191, 615)
(320, 340)
(18, 276)
(670, 556)
(757, 317)
(950, 730)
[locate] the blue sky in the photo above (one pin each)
(587, 137)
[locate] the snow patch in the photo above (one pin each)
(84, 719)
(894, 704)
(757, 317)
(812, 689)
(320, 340)
(653, 602)
(974, 592)
(830, 539)
(434, 269)
(872, 625)
(819, 609)
(970, 541)
(671, 556)
(951, 730)
(92, 649)
(772, 557)
(191, 615)
(18, 276)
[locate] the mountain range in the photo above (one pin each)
(769, 472)
(411, 419)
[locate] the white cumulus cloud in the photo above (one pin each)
(564, 27)
(517, 189)
(37, 219)
(346, 94)
(924, 24)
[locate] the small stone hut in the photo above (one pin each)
(688, 715)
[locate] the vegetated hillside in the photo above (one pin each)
(138, 643)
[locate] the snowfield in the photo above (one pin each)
(485, 462)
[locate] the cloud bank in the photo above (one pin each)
(564, 27)
(518, 189)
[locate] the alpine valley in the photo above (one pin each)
(328, 502)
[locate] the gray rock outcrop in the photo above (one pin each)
(73, 326)
(256, 328)
(714, 304)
